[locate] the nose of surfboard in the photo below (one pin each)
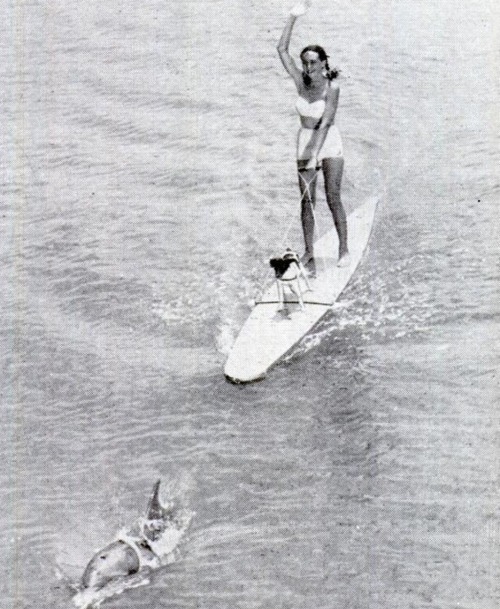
(245, 366)
(238, 378)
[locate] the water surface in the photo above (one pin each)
(147, 175)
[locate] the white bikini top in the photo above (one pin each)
(307, 109)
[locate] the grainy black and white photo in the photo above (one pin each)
(249, 305)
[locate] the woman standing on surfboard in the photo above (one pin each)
(319, 145)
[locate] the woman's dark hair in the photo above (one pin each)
(331, 74)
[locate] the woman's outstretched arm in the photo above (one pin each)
(284, 42)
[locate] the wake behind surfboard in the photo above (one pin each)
(268, 335)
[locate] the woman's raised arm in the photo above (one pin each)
(284, 42)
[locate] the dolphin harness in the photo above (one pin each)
(146, 556)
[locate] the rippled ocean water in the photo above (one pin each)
(146, 175)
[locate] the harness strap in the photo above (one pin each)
(292, 221)
(134, 544)
(307, 191)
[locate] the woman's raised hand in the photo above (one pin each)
(300, 8)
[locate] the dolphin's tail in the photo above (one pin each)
(155, 511)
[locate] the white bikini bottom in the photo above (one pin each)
(332, 146)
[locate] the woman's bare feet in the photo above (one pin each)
(309, 264)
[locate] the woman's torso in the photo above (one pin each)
(311, 106)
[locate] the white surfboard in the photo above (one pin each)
(268, 334)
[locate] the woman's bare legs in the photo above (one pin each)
(307, 184)
(332, 170)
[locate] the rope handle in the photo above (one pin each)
(284, 240)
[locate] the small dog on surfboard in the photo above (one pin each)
(289, 270)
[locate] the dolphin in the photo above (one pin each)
(136, 548)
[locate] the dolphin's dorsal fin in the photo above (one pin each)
(154, 510)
